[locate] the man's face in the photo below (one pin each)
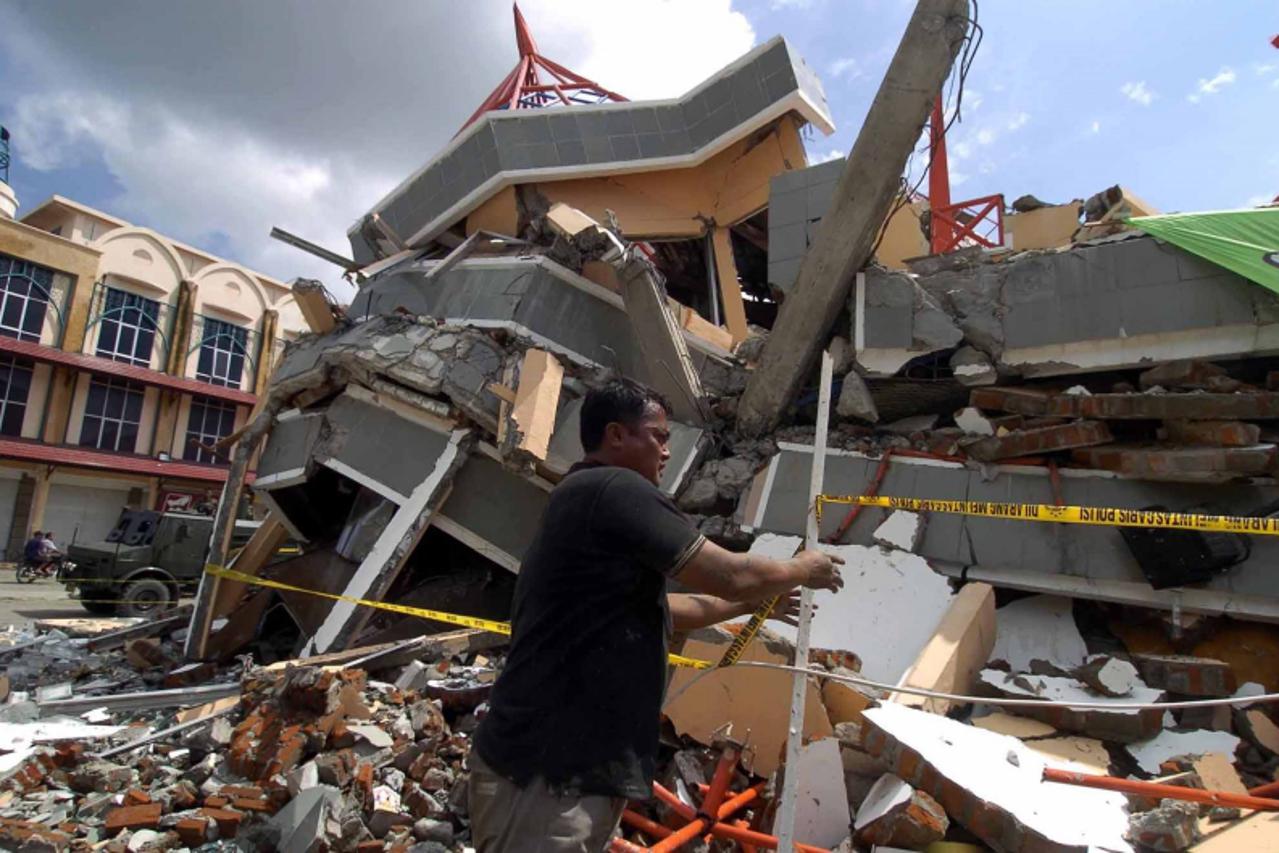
(643, 446)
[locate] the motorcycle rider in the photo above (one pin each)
(35, 545)
(50, 554)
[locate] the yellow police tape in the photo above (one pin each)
(1106, 516)
(420, 612)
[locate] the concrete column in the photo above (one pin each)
(266, 347)
(39, 499)
(175, 363)
(62, 383)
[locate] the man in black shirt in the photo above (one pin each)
(573, 725)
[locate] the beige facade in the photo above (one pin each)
(121, 352)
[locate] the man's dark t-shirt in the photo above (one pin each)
(579, 699)
(31, 551)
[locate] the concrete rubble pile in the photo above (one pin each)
(284, 756)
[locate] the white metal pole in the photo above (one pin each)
(784, 826)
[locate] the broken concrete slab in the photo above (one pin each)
(1022, 728)
(865, 615)
(1173, 826)
(993, 785)
(1109, 676)
(855, 399)
(1032, 442)
(821, 804)
(1153, 752)
(687, 445)
(901, 531)
(1087, 755)
(1038, 628)
(1076, 560)
(897, 815)
(972, 367)
(1160, 303)
(668, 366)
(908, 323)
(1125, 726)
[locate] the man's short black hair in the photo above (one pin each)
(620, 401)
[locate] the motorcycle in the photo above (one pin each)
(30, 571)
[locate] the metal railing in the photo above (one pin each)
(233, 340)
(228, 343)
(976, 222)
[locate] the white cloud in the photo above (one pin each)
(957, 177)
(1258, 200)
(1265, 68)
(1018, 121)
(1095, 127)
(845, 66)
(777, 5)
(1137, 92)
(827, 156)
(1212, 86)
(218, 159)
(705, 35)
(986, 135)
(197, 182)
(973, 100)
(960, 150)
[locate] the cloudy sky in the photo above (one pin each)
(212, 121)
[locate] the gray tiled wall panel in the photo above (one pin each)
(554, 138)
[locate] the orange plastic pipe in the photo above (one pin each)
(720, 830)
(1265, 790)
(1136, 786)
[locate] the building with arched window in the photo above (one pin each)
(125, 356)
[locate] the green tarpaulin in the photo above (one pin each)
(1243, 241)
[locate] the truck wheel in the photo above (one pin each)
(144, 597)
(98, 608)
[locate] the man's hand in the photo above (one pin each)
(819, 570)
(787, 608)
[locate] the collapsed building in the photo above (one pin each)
(410, 442)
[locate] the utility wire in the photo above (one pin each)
(996, 701)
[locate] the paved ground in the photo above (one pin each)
(44, 599)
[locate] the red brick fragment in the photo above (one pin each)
(228, 821)
(146, 816)
(15, 833)
(193, 831)
(136, 797)
(1032, 442)
(1213, 433)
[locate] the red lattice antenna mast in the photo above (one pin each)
(539, 82)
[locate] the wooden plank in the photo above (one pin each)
(255, 554)
(536, 401)
(863, 196)
(730, 290)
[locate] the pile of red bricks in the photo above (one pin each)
(298, 731)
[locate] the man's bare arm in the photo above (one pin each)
(692, 611)
(752, 577)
